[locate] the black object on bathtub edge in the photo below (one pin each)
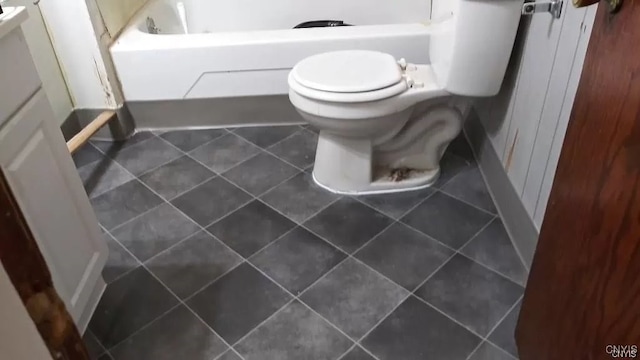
(320, 23)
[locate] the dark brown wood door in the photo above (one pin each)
(583, 295)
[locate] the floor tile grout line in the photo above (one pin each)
(490, 268)
(141, 265)
(281, 141)
(142, 213)
(277, 142)
(346, 352)
(220, 174)
(486, 338)
(259, 150)
(95, 195)
(287, 216)
(224, 130)
(455, 252)
(459, 251)
(474, 350)
(413, 207)
(255, 328)
(444, 192)
(114, 142)
(298, 171)
(191, 188)
(227, 132)
(504, 317)
(482, 338)
(180, 302)
(182, 154)
(295, 297)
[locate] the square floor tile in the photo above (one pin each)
(211, 201)
(404, 255)
(416, 331)
(251, 228)
(450, 166)
(469, 186)
(112, 147)
(265, 136)
(94, 348)
(447, 220)
(470, 293)
(86, 155)
(357, 354)
(146, 155)
(155, 231)
(505, 333)
(127, 305)
(119, 260)
(193, 263)
(299, 197)
(297, 259)
(229, 355)
(353, 297)
(397, 204)
(123, 203)
(102, 176)
(260, 173)
(178, 334)
(187, 140)
(298, 149)
(487, 351)
(176, 177)
(238, 302)
(224, 153)
(294, 333)
(348, 224)
(493, 248)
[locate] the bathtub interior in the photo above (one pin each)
(202, 16)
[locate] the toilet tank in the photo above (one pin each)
(471, 43)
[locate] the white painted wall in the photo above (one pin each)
(45, 60)
(527, 122)
(80, 53)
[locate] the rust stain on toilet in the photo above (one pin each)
(511, 151)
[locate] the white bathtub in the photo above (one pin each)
(225, 63)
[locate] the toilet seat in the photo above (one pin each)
(348, 76)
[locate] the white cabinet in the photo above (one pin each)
(35, 160)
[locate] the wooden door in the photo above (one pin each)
(583, 295)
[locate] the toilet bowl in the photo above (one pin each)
(385, 123)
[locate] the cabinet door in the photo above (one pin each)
(47, 187)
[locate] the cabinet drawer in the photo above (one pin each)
(18, 73)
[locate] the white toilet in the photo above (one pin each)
(385, 124)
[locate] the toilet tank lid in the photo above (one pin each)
(348, 71)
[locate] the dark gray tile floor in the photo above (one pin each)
(223, 248)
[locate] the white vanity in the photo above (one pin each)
(43, 178)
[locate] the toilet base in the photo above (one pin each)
(384, 184)
(346, 166)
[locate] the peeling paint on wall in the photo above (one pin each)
(104, 83)
(511, 151)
